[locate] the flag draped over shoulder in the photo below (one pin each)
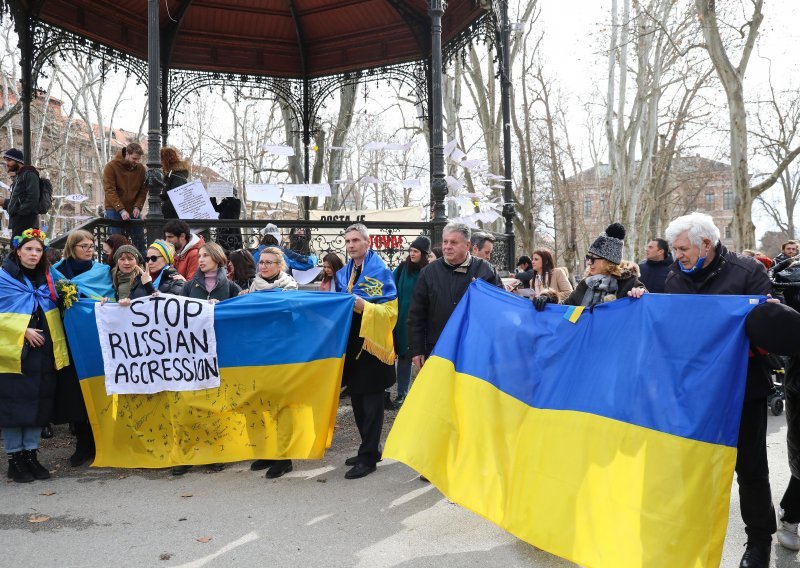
(17, 302)
(376, 286)
(610, 441)
(95, 283)
(281, 356)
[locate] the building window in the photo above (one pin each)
(727, 231)
(709, 200)
(587, 207)
(727, 199)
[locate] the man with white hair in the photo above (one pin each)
(704, 266)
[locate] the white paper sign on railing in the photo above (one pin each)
(278, 149)
(291, 190)
(191, 201)
(264, 192)
(158, 343)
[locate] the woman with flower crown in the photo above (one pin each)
(32, 348)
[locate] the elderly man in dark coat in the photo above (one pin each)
(704, 266)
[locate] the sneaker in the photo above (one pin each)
(787, 535)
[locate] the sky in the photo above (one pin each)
(573, 50)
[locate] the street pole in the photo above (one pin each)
(436, 10)
(505, 96)
(154, 180)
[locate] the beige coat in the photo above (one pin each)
(559, 282)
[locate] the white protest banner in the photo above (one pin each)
(264, 192)
(158, 343)
(191, 201)
(220, 189)
(306, 190)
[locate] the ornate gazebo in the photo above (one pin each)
(299, 50)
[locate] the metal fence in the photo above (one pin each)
(389, 239)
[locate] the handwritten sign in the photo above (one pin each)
(158, 343)
(220, 189)
(264, 192)
(191, 201)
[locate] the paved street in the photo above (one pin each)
(312, 517)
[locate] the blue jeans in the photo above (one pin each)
(134, 231)
(403, 376)
(23, 438)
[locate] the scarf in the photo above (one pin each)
(375, 284)
(281, 282)
(122, 283)
(597, 288)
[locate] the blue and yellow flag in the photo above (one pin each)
(95, 283)
(281, 357)
(18, 300)
(376, 286)
(610, 441)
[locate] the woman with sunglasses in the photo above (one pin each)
(605, 280)
(158, 274)
(93, 280)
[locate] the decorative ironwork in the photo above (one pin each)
(390, 240)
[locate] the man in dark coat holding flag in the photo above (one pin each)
(369, 361)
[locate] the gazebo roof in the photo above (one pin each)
(276, 38)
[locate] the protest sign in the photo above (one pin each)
(264, 192)
(159, 343)
(191, 201)
(220, 189)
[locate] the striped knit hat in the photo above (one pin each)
(165, 249)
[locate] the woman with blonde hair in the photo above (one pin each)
(176, 174)
(271, 273)
(211, 282)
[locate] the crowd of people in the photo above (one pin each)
(38, 386)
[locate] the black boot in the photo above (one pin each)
(47, 431)
(84, 445)
(756, 556)
(18, 468)
(37, 470)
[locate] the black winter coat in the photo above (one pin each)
(24, 199)
(730, 273)
(174, 179)
(363, 372)
(27, 399)
(439, 288)
(166, 286)
(654, 273)
(225, 289)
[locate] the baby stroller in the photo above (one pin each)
(785, 277)
(776, 398)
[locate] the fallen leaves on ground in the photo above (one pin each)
(48, 493)
(165, 556)
(187, 495)
(203, 539)
(38, 519)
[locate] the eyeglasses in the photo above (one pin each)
(154, 258)
(266, 262)
(590, 259)
(86, 247)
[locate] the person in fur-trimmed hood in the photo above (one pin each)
(606, 279)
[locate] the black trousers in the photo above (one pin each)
(19, 223)
(368, 412)
(752, 474)
(791, 501)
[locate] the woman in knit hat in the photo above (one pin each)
(405, 277)
(127, 261)
(605, 279)
(159, 275)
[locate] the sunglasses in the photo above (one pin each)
(590, 259)
(154, 258)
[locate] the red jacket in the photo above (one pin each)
(186, 260)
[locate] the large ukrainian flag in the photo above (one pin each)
(610, 441)
(281, 356)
